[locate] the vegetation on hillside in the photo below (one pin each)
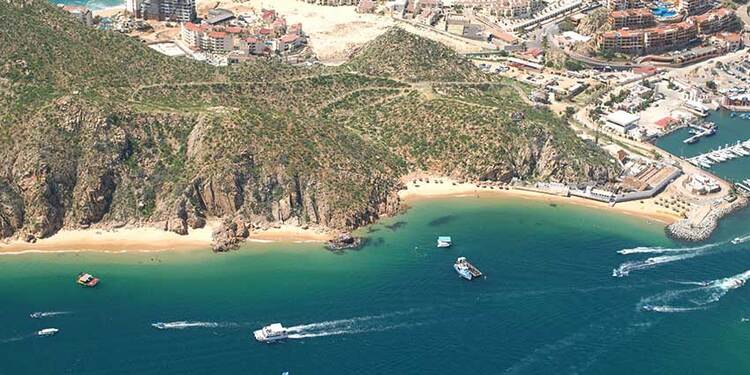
(98, 128)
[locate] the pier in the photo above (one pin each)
(744, 186)
(700, 131)
(726, 153)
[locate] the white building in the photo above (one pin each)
(133, 7)
(621, 122)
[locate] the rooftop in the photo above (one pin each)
(623, 118)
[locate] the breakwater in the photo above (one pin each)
(700, 225)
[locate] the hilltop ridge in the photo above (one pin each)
(100, 130)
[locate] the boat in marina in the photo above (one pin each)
(47, 332)
(87, 280)
(270, 333)
(465, 269)
(444, 241)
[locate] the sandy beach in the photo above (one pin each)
(447, 187)
(150, 239)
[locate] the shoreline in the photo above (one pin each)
(153, 239)
(150, 239)
(452, 188)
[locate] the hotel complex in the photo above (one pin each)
(633, 31)
(636, 18)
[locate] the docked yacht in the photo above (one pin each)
(444, 241)
(47, 332)
(270, 333)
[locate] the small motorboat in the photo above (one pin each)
(271, 333)
(87, 280)
(47, 332)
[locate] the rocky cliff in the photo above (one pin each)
(98, 130)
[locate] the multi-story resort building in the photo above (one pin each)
(694, 7)
(654, 39)
(636, 18)
(629, 37)
(624, 4)
(504, 8)
(169, 10)
(715, 21)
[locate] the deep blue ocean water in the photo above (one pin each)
(549, 303)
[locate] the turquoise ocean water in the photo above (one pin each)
(549, 303)
(92, 4)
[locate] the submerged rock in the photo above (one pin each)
(344, 241)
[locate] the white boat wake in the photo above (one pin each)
(662, 250)
(183, 324)
(45, 314)
(626, 268)
(370, 323)
(694, 298)
(681, 254)
(351, 331)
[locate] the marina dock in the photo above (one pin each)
(744, 186)
(726, 153)
(700, 131)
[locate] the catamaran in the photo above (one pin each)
(444, 241)
(270, 333)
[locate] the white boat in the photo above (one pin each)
(444, 241)
(465, 269)
(270, 333)
(47, 332)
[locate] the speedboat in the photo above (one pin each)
(87, 280)
(47, 332)
(36, 315)
(271, 333)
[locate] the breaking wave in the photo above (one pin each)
(693, 298)
(45, 314)
(183, 324)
